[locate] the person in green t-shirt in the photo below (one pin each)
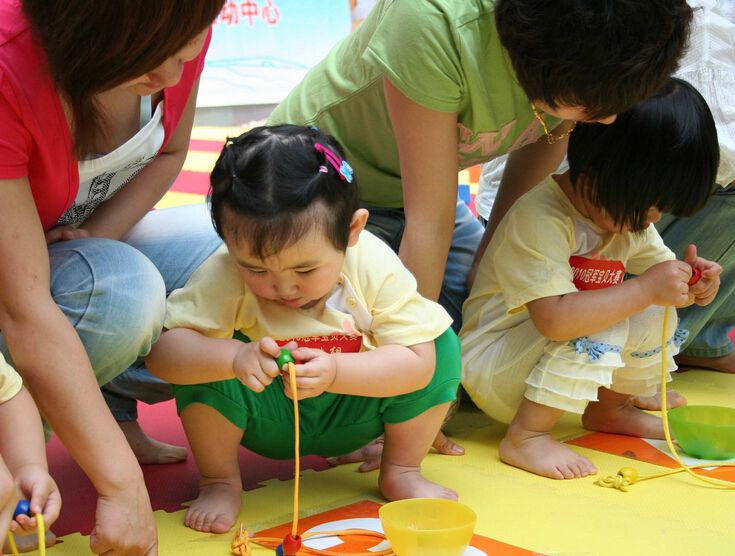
(423, 88)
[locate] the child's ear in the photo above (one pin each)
(357, 225)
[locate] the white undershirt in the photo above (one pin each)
(101, 177)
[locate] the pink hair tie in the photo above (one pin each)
(343, 168)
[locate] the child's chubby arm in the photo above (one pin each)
(24, 451)
(565, 317)
(186, 356)
(389, 370)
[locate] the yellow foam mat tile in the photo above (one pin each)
(668, 516)
(200, 161)
(175, 199)
(219, 133)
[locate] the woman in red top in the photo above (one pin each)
(96, 107)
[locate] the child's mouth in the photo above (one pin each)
(295, 302)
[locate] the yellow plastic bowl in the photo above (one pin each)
(704, 431)
(427, 527)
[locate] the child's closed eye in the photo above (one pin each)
(251, 270)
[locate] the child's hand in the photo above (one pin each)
(704, 291)
(40, 489)
(255, 363)
(666, 283)
(314, 374)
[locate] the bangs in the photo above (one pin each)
(662, 153)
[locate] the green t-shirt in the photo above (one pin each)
(442, 54)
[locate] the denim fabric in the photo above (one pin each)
(114, 294)
(176, 241)
(388, 225)
(710, 231)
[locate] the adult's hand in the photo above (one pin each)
(65, 233)
(124, 524)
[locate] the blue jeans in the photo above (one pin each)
(710, 231)
(114, 294)
(388, 225)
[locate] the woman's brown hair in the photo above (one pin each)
(92, 46)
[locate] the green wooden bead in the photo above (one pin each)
(283, 358)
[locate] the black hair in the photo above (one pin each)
(600, 55)
(271, 186)
(661, 153)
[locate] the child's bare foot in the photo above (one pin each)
(724, 364)
(216, 507)
(148, 450)
(398, 482)
(29, 543)
(620, 416)
(539, 453)
(653, 403)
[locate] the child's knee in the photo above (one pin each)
(646, 328)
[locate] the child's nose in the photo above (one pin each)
(284, 287)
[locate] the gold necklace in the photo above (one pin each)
(550, 137)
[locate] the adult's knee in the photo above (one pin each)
(113, 296)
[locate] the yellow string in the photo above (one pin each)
(265, 541)
(665, 416)
(628, 476)
(11, 541)
(297, 442)
(41, 530)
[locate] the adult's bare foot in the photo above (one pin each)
(444, 445)
(724, 364)
(622, 419)
(371, 454)
(147, 449)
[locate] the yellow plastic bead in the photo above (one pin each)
(629, 474)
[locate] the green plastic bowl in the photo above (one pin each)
(704, 431)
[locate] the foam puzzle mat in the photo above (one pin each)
(518, 513)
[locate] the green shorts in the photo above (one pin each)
(331, 424)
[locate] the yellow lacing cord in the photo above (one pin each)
(41, 529)
(628, 475)
(240, 541)
(297, 446)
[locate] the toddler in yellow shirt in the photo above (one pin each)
(299, 270)
(551, 325)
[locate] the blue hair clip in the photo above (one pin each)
(345, 171)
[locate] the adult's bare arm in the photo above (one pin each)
(49, 355)
(524, 168)
(427, 149)
(116, 216)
